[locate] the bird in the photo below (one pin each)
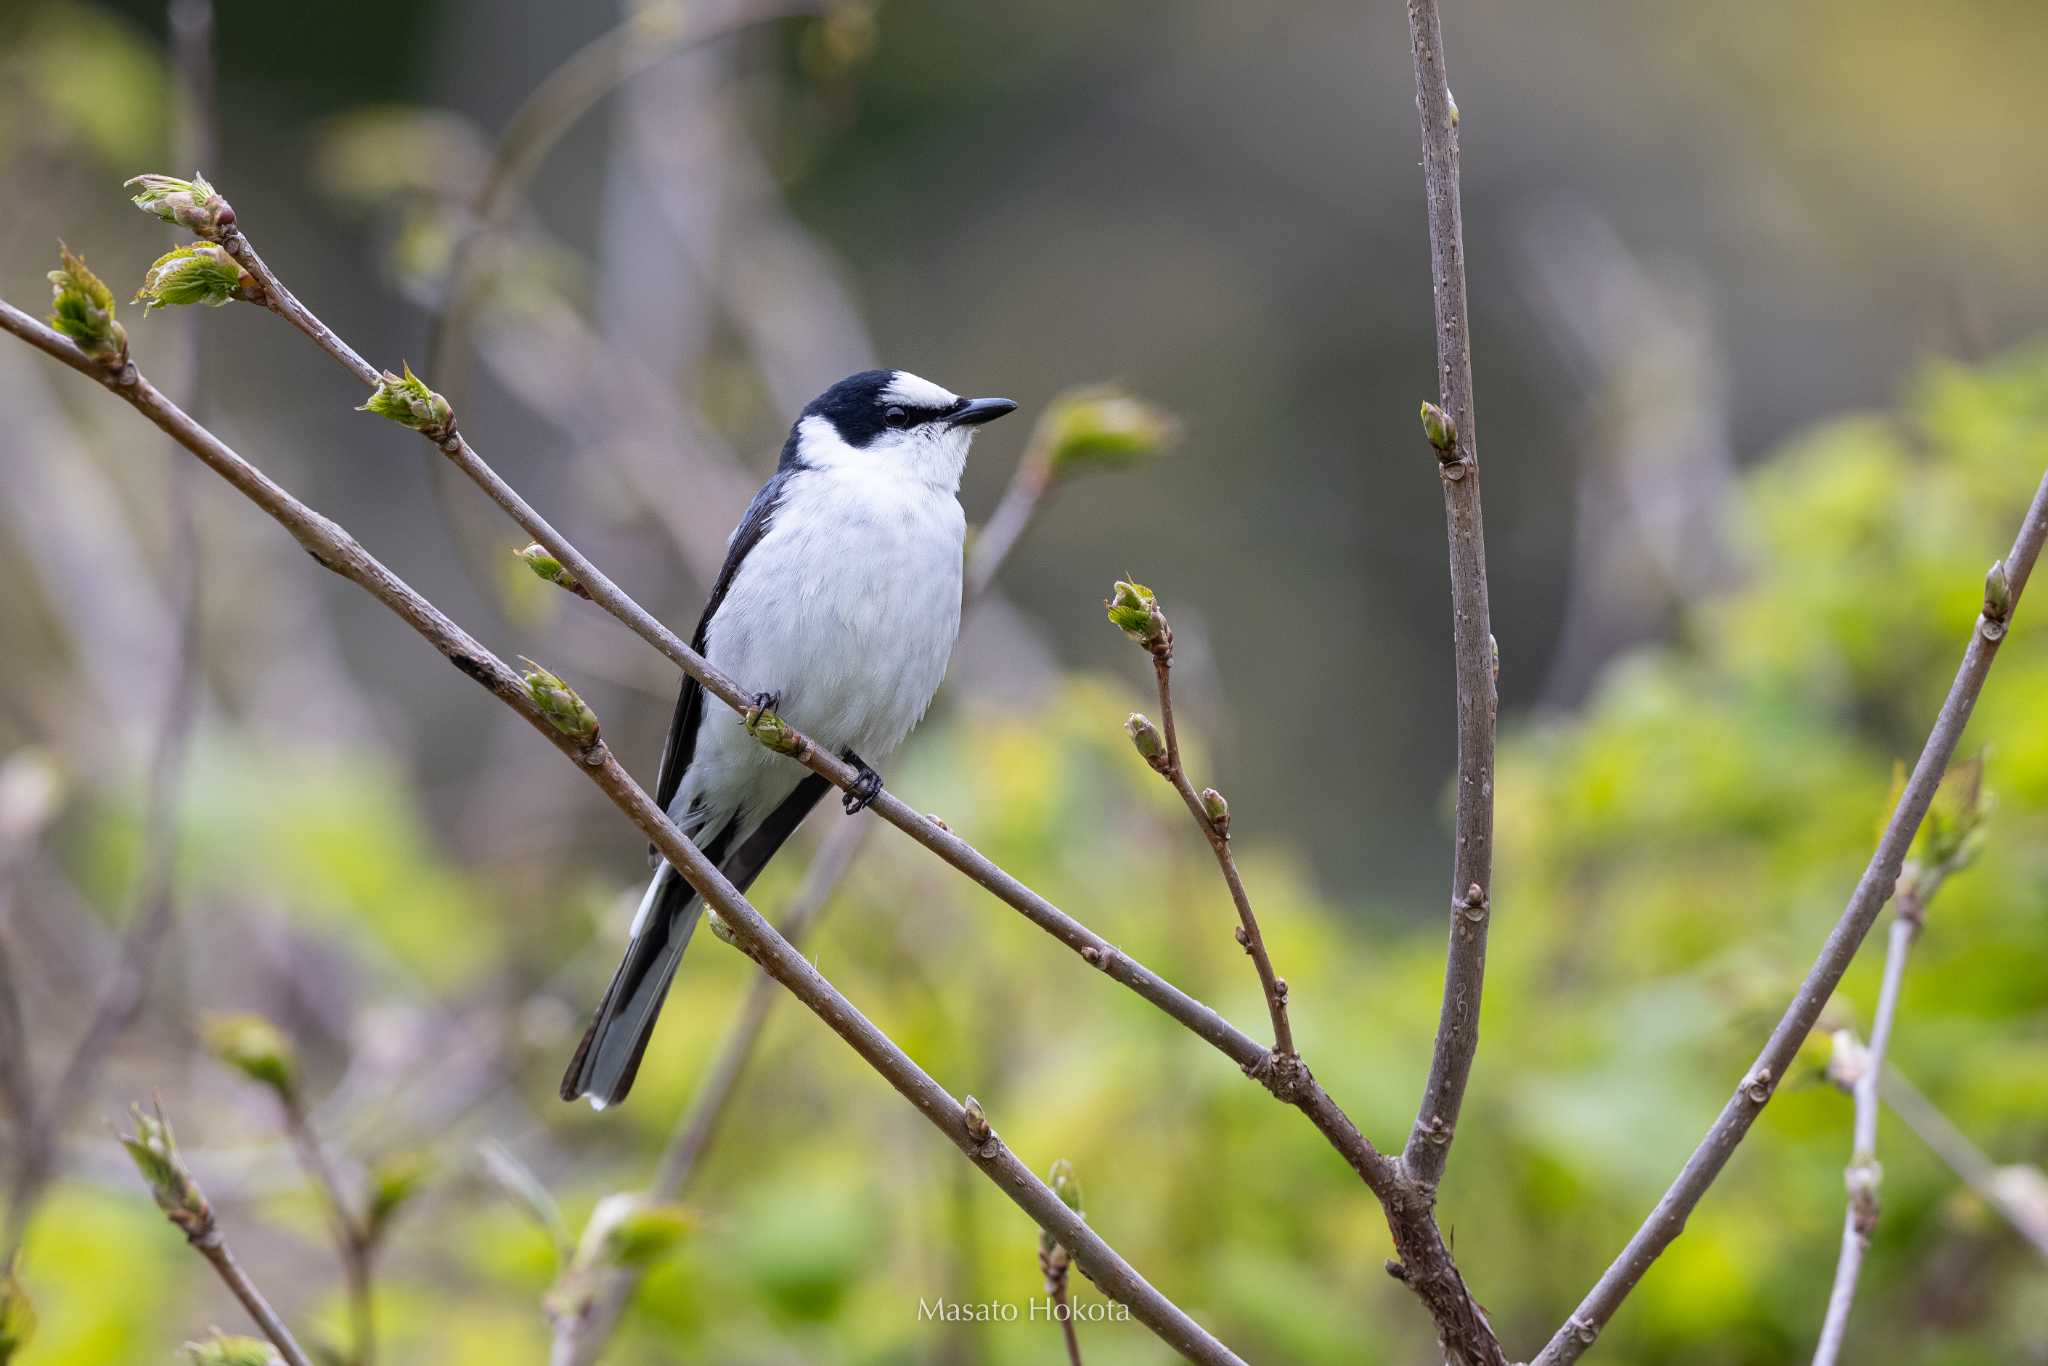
(840, 597)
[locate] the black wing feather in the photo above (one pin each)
(682, 726)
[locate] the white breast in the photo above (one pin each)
(848, 606)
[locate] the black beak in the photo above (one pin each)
(980, 410)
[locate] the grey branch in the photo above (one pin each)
(1873, 889)
(1457, 1031)
(337, 550)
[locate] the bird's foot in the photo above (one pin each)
(867, 786)
(760, 705)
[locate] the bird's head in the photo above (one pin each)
(892, 423)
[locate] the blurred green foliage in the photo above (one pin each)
(1669, 861)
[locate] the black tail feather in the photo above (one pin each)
(608, 1058)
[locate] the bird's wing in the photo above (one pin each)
(689, 713)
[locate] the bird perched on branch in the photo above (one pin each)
(841, 596)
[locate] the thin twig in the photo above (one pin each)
(1873, 889)
(1217, 832)
(1457, 1031)
(215, 1249)
(1425, 1260)
(1915, 893)
(335, 549)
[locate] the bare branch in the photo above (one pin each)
(2002, 594)
(1457, 1031)
(334, 548)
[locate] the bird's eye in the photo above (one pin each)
(893, 416)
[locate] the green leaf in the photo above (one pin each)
(202, 273)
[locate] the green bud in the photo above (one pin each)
(1103, 428)
(225, 1349)
(202, 273)
(1151, 745)
(976, 1121)
(394, 1180)
(1997, 599)
(406, 400)
(1134, 610)
(1439, 428)
(1215, 808)
(558, 702)
(1065, 1184)
(17, 1316)
(546, 566)
(191, 204)
(254, 1047)
(82, 308)
(154, 1149)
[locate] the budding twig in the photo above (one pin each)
(1135, 610)
(1873, 889)
(155, 1152)
(1451, 430)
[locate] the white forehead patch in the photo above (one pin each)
(913, 392)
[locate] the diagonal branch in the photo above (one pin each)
(2002, 594)
(1457, 1031)
(337, 550)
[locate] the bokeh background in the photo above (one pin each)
(1756, 297)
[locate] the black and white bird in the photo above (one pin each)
(841, 592)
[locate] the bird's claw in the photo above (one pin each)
(867, 785)
(761, 704)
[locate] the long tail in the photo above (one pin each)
(609, 1056)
